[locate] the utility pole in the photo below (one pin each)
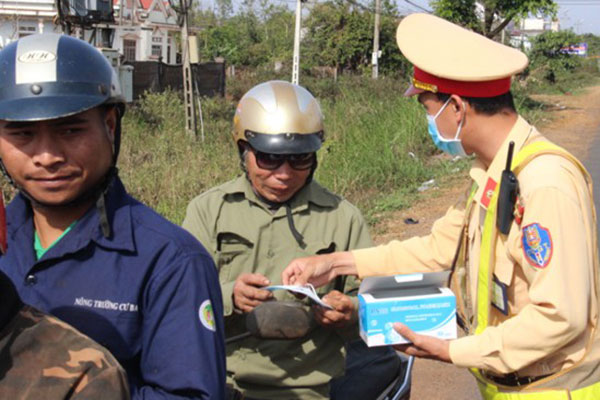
(188, 83)
(375, 56)
(296, 66)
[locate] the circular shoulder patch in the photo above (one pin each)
(207, 316)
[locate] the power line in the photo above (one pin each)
(418, 6)
(578, 3)
(372, 10)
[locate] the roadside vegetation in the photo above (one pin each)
(377, 151)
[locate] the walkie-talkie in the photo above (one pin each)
(509, 188)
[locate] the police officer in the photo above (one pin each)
(256, 224)
(81, 248)
(527, 296)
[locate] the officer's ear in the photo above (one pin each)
(459, 106)
(456, 103)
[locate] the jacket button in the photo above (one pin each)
(31, 279)
(270, 254)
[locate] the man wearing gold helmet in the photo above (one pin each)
(256, 224)
(522, 250)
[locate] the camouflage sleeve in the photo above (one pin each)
(98, 382)
(95, 373)
(44, 358)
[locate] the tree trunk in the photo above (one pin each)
(488, 20)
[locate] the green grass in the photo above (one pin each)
(587, 74)
(162, 166)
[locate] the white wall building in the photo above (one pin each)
(144, 30)
(20, 18)
(524, 30)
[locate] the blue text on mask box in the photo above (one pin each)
(418, 301)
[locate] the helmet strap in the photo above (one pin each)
(297, 235)
(117, 136)
(243, 151)
(103, 215)
(312, 171)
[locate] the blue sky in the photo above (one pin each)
(583, 16)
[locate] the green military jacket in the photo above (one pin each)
(44, 358)
(244, 235)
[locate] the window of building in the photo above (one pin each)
(156, 51)
(157, 39)
(129, 49)
(26, 31)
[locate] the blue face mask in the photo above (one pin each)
(451, 146)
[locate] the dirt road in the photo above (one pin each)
(572, 121)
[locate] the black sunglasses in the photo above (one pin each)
(302, 161)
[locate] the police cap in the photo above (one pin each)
(450, 59)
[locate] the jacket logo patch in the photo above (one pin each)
(537, 245)
(207, 316)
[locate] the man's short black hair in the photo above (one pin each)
(487, 105)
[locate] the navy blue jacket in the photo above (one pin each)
(150, 294)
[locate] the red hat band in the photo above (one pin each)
(435, 84)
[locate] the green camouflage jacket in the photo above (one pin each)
(42, 357)
(244, 235)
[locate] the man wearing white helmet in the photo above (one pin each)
(82, 249)
(522, 248)
(254, 225)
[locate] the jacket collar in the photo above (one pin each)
(311, 193)
(118, 208)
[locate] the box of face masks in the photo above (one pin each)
(419, 301)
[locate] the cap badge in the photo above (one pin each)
(424, 86)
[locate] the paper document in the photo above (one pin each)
(307, 290)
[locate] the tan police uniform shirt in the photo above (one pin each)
(551, 308)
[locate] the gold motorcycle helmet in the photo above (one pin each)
(279, 117)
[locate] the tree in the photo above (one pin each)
(337, 34)
(250, 37)
(593, 42)
(224, 9)
(490, 17)
(340, 34)
(547, 59)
